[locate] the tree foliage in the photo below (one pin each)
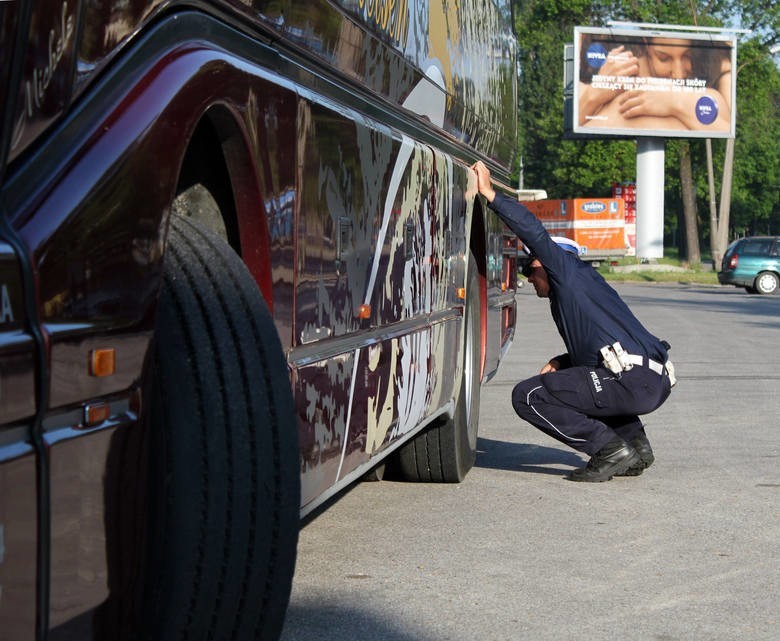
(755, 200)
(573, 168)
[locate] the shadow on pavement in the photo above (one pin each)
(317, 622)
(524, 457)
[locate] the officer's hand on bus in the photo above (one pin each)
(552, 366)
(483, 180)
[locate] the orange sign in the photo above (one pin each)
(596, 224)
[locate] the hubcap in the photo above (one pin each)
(767, 283)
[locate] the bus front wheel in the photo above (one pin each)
(224, 490)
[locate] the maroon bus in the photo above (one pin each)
(243, 265)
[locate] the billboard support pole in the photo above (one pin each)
(649, 198)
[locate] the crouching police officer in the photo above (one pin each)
(591, 397)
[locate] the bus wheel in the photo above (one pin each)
(224, 484)
(446, 451)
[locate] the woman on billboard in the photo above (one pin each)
(657, 83)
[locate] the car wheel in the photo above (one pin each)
(224, 477)
(446, 450)
(766, 283)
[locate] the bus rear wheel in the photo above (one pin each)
(446, 451)
(224, 479)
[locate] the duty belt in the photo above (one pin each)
(636, 359)
(617, 361)
(657, 367)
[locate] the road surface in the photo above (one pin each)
(690, 550)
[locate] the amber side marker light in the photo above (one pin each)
(461, 293)
(96, 413)
(102, 362)
(364, 312)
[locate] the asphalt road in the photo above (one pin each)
(690, 550)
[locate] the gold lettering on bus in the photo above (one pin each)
(391, 17)
(36, 86)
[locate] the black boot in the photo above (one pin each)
(642, 447)
(614, 458)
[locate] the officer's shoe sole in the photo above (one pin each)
(602, 467)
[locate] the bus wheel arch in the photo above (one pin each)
(219, 188)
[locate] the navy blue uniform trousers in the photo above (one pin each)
(586, 407)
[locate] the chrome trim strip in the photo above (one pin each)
(326, 348)
(13, 443)
(502, 300)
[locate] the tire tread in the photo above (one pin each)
(235, 373)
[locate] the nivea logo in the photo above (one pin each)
(596, 55)
(706, 110)
(593, 207)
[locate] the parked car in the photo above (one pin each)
(752, 263)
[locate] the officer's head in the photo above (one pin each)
(534, 271)
(537, 276)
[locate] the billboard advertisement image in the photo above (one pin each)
(662, 84)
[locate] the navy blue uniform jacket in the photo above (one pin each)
(589, 314)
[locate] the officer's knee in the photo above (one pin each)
(521, 396)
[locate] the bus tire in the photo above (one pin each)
(224, 485)
(446, 451)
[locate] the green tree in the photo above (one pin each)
(756, 189)
(565, 168)
(568, 167)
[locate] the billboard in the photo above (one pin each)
(650, 83)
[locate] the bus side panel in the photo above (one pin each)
(465, 48)
(374, 236)
(18, 465)
(18, 536)
(385, 46)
